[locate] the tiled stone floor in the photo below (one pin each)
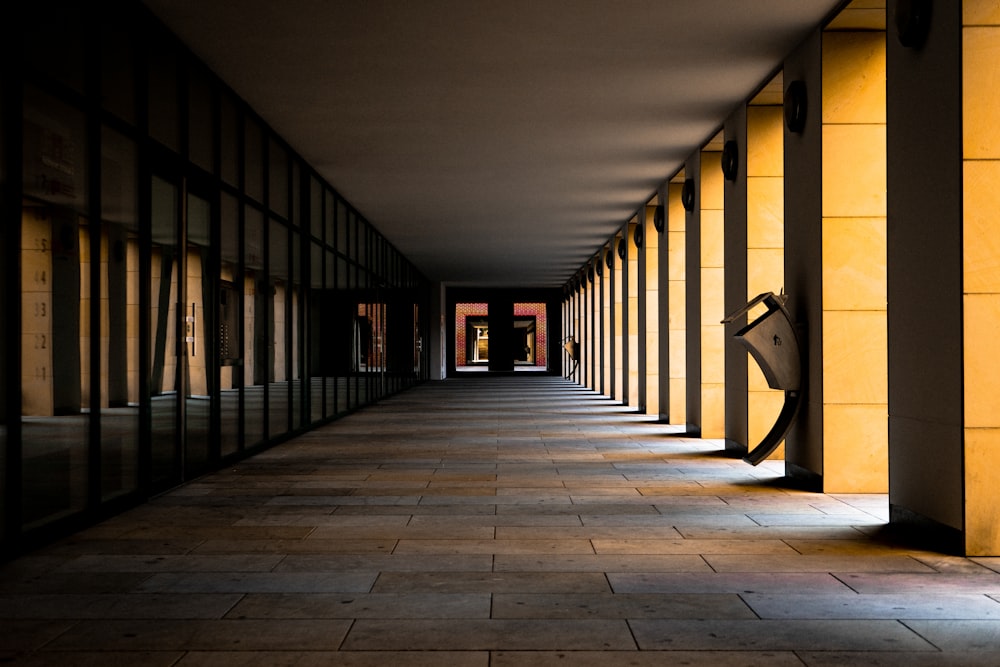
(497, 522)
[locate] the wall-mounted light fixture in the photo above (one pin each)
(590, 272)
(637, 236)
(730, 160)
(598, 265)
(913, 22)
(687, 194)
(622, 249)
(609, 258)
(660, 218)
(795, 106)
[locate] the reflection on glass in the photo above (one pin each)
(55, 307)
(278, 329)
(316, 380)
(295, 334)
(255, 335)
(230, 345)
(163, 368)
(119, 317)
(200, 376)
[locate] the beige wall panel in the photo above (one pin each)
(678, 360)
(675, 256)
(763, 410)
(677, 295)
(765, 141)
(982, 491)
(982, 350)
(982, 228)
(712, 238)
(854, 179)
(854, 264)
(765, 271)
(855, 456)
(713, 368)
(678, 406)
(855, 357)
(713, 411)
(713, 307)
(981, 92)
(755, 378)
(712, 182)
(765, 212)
(981, 12)
(854, 89)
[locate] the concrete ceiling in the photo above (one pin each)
(495, 143)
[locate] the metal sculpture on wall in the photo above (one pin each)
(572, 348)
(774, 345)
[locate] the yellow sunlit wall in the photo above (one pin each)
(765, 249)
(676, 324)
(713, 411)
(651, 248)
(635, 375)
(606, 337)
(855, 389)
(981, 273)
(619, 324)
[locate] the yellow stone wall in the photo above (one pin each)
(765, 249)
(676, 326)
(635, 373)
(651, 248)
(619, 321)
(855, 353)
(713, 307)
(981, 273)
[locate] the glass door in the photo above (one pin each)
(181, 313)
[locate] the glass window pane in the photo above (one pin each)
(278, 184)
(255, 334)
(278, 329)
(118, 68)
(328, 351)
(120, 316)
(201, 130)
(163, 297)
(254, 162)
(230, 327)
(164, 117)
(55, 305)
(60, 33)
(316, 382)
(230, 141)
(295, 329)
(198, 373)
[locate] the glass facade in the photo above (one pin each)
(180, 288)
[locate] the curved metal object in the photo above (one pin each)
(572, 348)
(774, 345)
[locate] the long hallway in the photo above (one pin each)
(497, 522)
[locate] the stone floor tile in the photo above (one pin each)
(494, 547)
(386, 563)
(297, 546)
(601, 563)
(216, 635)
(959, 635)
(932, 583)
(97, 659)
(899, 659)
(744, 582)
(644, 659)
(170, 563)
(787, 635)
(255, 582)
(805, 563)
(491, 582)
(472, 635)
(688, 546)
(130, 605)
(874, 606)
(374, 605)
(336, 659)
(562, 605)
